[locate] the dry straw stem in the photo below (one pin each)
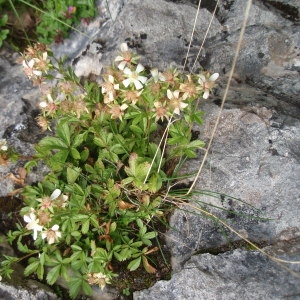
(246, 15)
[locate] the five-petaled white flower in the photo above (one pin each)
(134, 77)
(33, 224)
(52, 235)
(207, 83)
(176, 104)
(125, 58)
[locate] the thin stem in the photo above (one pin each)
(191, 39)
(247, 10)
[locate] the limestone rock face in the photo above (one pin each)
(233, 275)
(253, 167)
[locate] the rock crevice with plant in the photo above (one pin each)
(114, 160)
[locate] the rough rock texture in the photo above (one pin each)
(233, 275)
(255, 160)
(255, 156)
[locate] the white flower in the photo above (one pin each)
(29, 70)
(134, 77)
(109, 87)
(3, 145)
(45, 104)
(156, 75)
(60, 198)
(207, 83)
(98, 278)
(33, 224)
(176, 103)
(52, 235)
(125, 57)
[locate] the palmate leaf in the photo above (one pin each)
(51, 143)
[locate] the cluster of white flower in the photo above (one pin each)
(129, 82)
(36, 220)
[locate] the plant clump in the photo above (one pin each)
(114, 157)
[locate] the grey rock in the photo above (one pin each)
(290, 9)
(158, 30)
(255, 154)
(269, 57)
(250, 160)
(233, 275)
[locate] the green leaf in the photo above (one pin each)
(23, 248)
(63, 131)
(58, 160)
(155, 183)
(76, 248)
(196, 144)
(52, 143)
(85, 226)
(84, 154)
(140, 223)
(136, 129)
(150, 235)
(75, 154)
(31, 268)
(133, 265)
(40, 272)
(78, 140)
(75, 286)
(190, 153)
(53, 275)
(87, 289)
(72, 174)
(76, 233)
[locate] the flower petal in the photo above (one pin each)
(201, 79)
(126, 82)
(122, 65)
(55, 194)
(143, 79)
(206, 94)
(139, 68)
(55, 227)
(127, 71)
(214, 77)
(124, 47)
(138, 84)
